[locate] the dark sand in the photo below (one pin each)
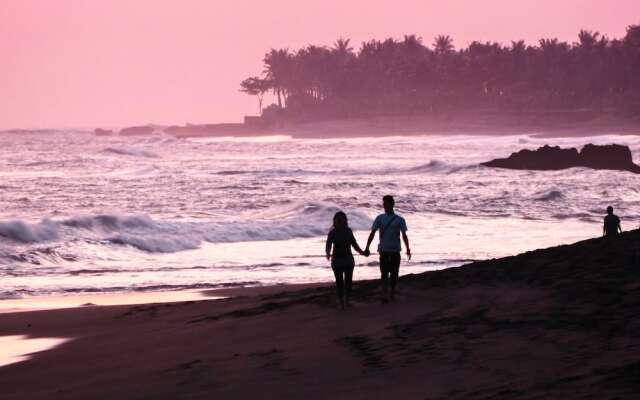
(560, 323)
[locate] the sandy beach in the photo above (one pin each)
(560, 322)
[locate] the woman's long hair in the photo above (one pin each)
(339, 215)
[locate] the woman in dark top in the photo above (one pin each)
(341, 239)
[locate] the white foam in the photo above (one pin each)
(167, 236)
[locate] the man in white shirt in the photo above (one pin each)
(390, 225)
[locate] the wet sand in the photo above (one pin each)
(554, 323)
(103, 299)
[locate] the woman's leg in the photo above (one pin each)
(348, 280)
(339, 284)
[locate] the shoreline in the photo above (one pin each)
(88, 300)
(556, 322)
(538, 124)
(544, 124)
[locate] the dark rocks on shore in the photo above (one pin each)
(207, 129)
(189, 130)
(613, 157)
(102, 132)
(137, 130)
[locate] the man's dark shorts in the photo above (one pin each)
(390, 262)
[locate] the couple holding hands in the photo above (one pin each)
(341, 239)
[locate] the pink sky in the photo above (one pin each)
(86, 63)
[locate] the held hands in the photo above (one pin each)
(366, 252)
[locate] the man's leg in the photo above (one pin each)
(394, 268)
(384, 275)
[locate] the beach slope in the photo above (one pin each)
(555, 323)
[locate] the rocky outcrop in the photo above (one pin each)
(613, 156)
(137, 130)
(193, 130)
(102, 132)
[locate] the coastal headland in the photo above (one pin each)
(538, 123)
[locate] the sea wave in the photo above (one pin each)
(433, 166)
(436, 166)
(551, 195)
(167, 236)
(22, 232)
(122, 151)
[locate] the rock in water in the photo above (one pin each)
(103, 132)
(614, 157)
(545, 158)
(137, 130)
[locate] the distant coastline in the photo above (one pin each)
(541, 123)
(481, 122)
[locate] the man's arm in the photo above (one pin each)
(619, 227)
(405, 238)
(372, 235)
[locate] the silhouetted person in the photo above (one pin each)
(611, 226)
(341, 239)
(390, 226)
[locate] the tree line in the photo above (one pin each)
(407, 77)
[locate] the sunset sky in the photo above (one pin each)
(85, 63)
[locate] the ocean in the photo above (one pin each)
(86, 214)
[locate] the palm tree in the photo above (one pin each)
(443, 44)
(587, 39)
(341, 46)
(340, 65)
(553, 46)
(631, 43)
(404, 76)
(518, 48)
(255, 86)
(632, 38)
(412, 42)
(277, 70)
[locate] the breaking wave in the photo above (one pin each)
(130, 152)
(550, 196)
(22, 232)
(166, 236)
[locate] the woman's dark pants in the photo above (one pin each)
(343, 271)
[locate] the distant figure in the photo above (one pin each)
(341, 239)
(611, 226)
(390, 226)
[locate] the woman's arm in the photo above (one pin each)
(328, 245)
(355, 245)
